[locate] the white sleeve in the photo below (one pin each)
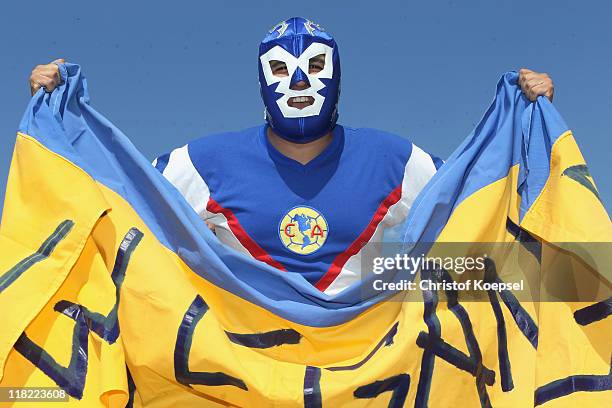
(181, 172)
(419, 169)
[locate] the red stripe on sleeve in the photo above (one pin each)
(338, 263)
(254, 249)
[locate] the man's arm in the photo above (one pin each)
(179, 170)
(532, 83)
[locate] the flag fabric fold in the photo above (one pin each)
(113, 290)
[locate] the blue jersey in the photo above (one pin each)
(312, 218)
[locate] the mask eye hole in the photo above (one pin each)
(316, 64)
(279, 68)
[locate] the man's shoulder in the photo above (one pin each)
(378, 141)
(378, 133)
(385, 144)
(223, 141)
(211, 150)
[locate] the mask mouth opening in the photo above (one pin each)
(300, 102)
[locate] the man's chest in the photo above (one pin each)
(312, 213)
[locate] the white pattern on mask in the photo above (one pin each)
(280, 54)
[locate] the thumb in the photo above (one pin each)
(58, 61)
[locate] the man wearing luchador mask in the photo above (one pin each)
(301, 192)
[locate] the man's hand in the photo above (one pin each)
(46, 76)
(534, 84)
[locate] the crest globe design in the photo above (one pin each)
(303, 230)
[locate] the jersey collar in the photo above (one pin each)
(330, 153)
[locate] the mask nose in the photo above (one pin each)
(299, 80)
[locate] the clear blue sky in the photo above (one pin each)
(167, 72)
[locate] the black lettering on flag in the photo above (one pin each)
(580, 174)
(430, 300)
(312, 387)
(593, 313)
(107, 327)
(575, 383)
(572, 384)
(131, 389)
(528, 241)
(523, 320)
(387, 340)
(505, 368)
(433, 345)
(470, 340)
(72, 378)
(41, 254)
(267, 339)
(398, 384)
(454, 356)
(184, 339)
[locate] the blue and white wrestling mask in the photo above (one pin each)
(302, 101)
